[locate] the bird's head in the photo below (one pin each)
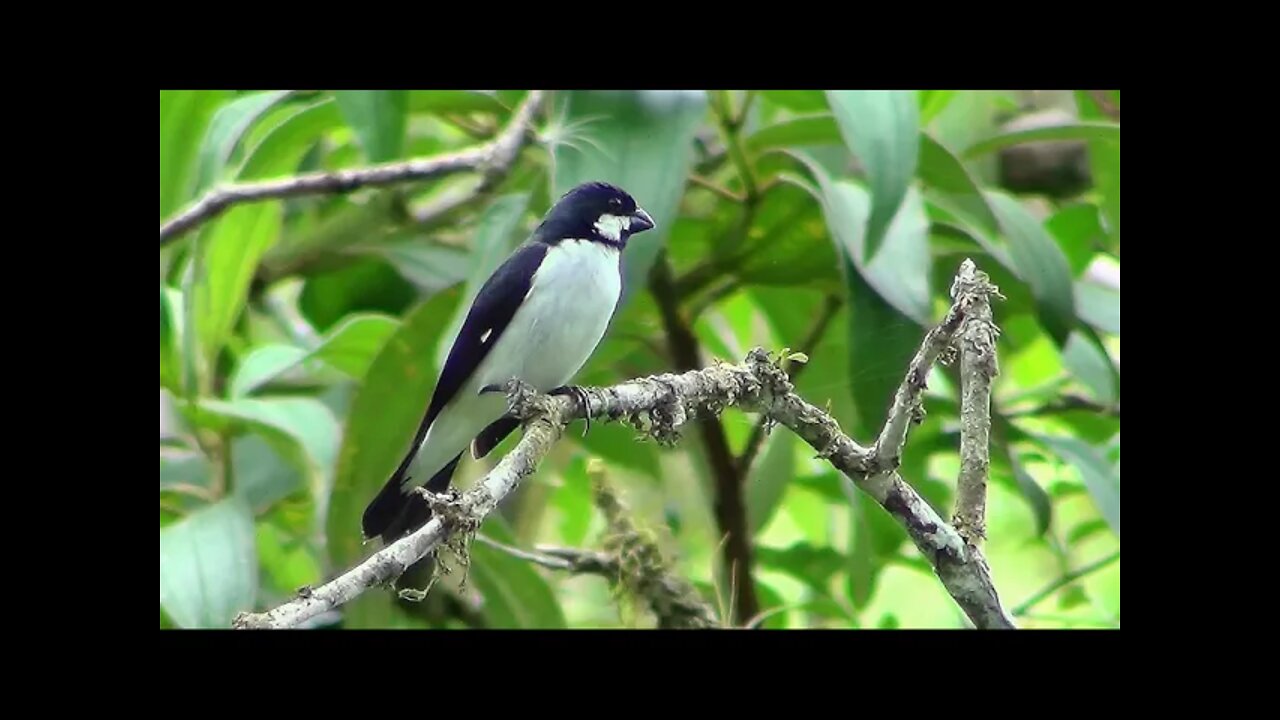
(596, 211)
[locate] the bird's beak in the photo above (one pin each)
(640, 221)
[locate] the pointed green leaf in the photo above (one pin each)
(228, 127)
(797, 132)
(431, 268)
(1085, 130)
(453, 101)
(1100, 477)
(810, 564)
(234, 244)
(209, 566)
(768, 478)
(1104, 161)
(1078, 230)
(263, 365)
(882, 129)
(1088, 361)
(352, 346)
(305, 421)
(933, 102)
(641, 141)
(379, 119)
(171, 321)
(184, 116)
(1099, 306)
(1040, 263)
(797, 100)
(1036, 497)
(950, 184)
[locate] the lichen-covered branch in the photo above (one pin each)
(978, 368)
(632, 562)
(662, 406)
(493, 159)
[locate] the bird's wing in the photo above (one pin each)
(490, 313)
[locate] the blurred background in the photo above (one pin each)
(300, 339)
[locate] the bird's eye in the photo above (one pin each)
(615, 202)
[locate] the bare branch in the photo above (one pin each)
(492, 159)
(661, 406)
(978, 368)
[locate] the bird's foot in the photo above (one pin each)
(583, 398)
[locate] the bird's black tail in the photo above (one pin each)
(398, 510)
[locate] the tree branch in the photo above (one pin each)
(978, 369)
(491, 159)
(730, 501)
(660, 406)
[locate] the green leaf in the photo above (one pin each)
(1039, 262)
(1100, 477)
(385, 413)
(171, 323)
(950, 184)
(881, 128)
(431, 268)
(515, 594)
(352, 346)
(1036, 497)
(1088, 361)
(933, 102)
(379, 118)
(574, 502)
(768, 478)
(1085, 530)
(812, 565)
(369, 285)
(494, 239)
(787, 244)
(900, 273)
(232, 247)
(1078, 230)
(642, 141)
(209, 566)
(228, 127)
(452, 101)
(1099, 306)
(263, 476)
(861, 566)
(283, 145)
(797, 132)
(797, 100)
(619, 444)
(184, 115)
(1105, 131)
(889, 298)
(263, 365)
(305, 421)
(288, 563)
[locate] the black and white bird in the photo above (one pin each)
(537, 318)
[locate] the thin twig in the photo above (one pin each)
(736, 152)
(486, 158)
(1064, 581)
(723, 192)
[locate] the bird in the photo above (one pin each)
(537, 318)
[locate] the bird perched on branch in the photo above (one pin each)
(537, 318)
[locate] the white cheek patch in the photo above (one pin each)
(611, 226)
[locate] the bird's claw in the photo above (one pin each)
(583, 398)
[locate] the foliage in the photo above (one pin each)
(299, 340)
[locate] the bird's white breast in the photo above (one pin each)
(561, 320)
